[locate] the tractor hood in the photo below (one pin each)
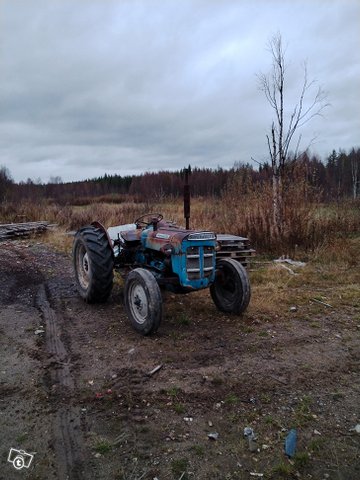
(167, 236)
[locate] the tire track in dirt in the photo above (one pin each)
(68, 441)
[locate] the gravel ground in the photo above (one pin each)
(76, 391)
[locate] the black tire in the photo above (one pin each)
(143, 301)
(231, 289)
(93, 264)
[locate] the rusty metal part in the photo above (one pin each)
(187, 199)
(168, 235)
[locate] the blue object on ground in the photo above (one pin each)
(248, 432)
(290, 443)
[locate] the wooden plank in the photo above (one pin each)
(41, 222)
(234, 254)
(9, 230)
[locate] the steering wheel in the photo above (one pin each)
(141, 221)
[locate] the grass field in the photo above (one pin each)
(308, 226)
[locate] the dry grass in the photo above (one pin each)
(270, 292)
(108, 214)
(309, 225)
(59, 240)
(275, 290)
(331, 277)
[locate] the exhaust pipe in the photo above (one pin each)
(187, 172)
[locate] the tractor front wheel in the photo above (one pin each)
(93, 264)
(231, 288)
(143, 301)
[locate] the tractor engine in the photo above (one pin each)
(181, 260)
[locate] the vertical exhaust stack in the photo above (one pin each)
(187, 172)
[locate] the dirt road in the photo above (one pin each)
(75, 389)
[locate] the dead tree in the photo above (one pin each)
(283, 132)
(5, 182)
(355, 162)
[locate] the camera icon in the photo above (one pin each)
(20, 459)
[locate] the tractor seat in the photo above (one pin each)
(131, 236)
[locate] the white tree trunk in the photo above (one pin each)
(277, 205)
(355, 176)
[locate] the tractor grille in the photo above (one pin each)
(199, 262)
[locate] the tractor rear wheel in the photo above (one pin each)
(143, 301)
(231, 288)
(93, 264)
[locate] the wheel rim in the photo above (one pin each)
(83, 267)
(138, 302)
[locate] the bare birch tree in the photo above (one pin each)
(287, 121)
(355, 162)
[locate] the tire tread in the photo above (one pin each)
(101, 260)
(240, 305)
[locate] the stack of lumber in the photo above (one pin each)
(11, 230)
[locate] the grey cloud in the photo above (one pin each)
(89, 87)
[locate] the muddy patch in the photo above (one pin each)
(78, 395)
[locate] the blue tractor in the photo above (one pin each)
(153, 254)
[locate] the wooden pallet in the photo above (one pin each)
(232, 246)
(11, 230)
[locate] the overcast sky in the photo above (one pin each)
(95, 86)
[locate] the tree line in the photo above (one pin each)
(335, 178)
